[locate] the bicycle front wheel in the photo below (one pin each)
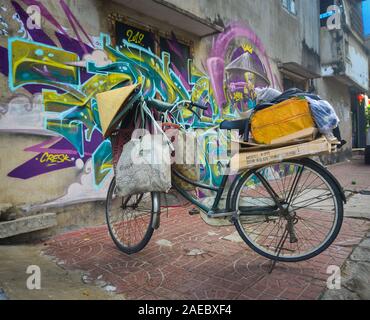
(130, 219)
(290, 212)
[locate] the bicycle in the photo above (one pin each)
(289, 211)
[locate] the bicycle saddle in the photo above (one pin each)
(242, 125)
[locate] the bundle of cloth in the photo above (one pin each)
(322, 111)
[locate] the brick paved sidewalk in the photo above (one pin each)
(354, 175)
(187, 259)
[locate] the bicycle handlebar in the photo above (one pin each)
(164, 106)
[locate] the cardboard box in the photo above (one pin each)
(250, 160)
(302, 136)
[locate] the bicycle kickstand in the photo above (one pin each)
(279, 248)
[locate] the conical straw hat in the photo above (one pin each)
(110, 104)
(248, 63)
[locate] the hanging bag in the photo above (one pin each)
(145, 163)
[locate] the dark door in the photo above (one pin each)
(358, 121)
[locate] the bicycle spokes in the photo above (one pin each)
(129, 220)
(287, 211)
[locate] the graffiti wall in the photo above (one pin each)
(52, 81)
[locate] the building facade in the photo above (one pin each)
(57, 55)
(344, 62)
(366, 22)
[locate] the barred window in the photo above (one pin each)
(290, 5)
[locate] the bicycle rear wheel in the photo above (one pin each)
(291, 211)
(130, 219)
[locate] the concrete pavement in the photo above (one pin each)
(188, 259)
(355, 282)
(56, 282)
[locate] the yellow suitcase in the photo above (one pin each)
(281, 120)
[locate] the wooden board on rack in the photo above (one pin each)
(302, 136)
(261, 147)
(248, 159)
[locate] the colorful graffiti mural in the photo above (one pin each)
(64, 76)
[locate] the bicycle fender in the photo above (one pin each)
(156, 210)
(230, 194)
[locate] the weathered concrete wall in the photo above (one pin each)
(30, 191)
(22, 115)
(286, 37)
(339, 96)
(52, 150)
(332, 44)
(367, 43)
(357, 64)
(44, 162)
(344, 54)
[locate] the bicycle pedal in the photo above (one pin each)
(194, 212)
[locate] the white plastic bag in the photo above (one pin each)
(324, 114)
(145, 163)
(144, 166)
(266, 94)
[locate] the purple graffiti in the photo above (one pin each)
(216, 61)
(60, 30)
(181, 77)
(73, 45)
(4, 65)
(59, 155)
(76, 24)
(37, 35)
(46, 14)
(36, 88)
(216, 70)
(47, 161)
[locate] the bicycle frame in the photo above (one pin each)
(277, 210)
(228, 211)
(215, 211)
(220, 191)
